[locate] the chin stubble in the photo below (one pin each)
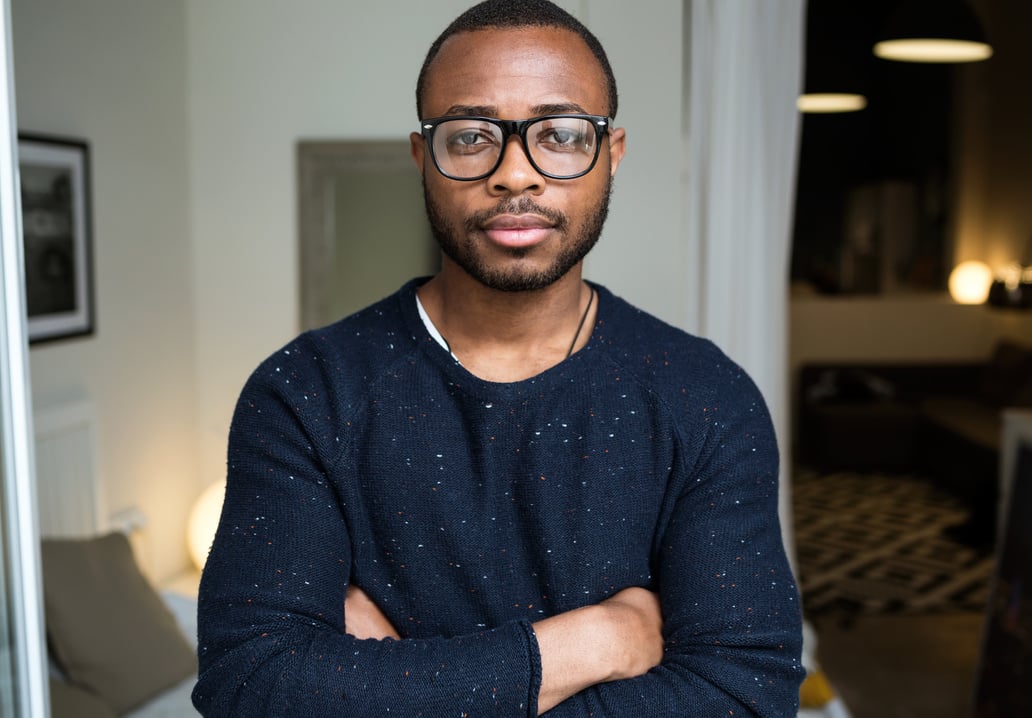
(461, 246)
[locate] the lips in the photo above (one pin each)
(517, 230)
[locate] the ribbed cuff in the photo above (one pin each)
(534, 654)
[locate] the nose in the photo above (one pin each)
(515, 174)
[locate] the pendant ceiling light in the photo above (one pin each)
(824, 102)
(933, 31)
(837, 59)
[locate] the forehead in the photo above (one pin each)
(515, 70)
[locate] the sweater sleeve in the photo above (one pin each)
(270, 619)
(732, 620)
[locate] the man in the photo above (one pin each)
(527, 495)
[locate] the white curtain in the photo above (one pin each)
(744, 69)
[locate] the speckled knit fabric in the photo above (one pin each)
(467, 510)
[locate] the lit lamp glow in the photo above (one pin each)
(933, 31)
(970, 281)
(831, 102)
(933, 50)
(203, 520)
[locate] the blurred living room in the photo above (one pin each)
(911, 356)
(247, 176)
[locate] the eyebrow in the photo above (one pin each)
(536, 111)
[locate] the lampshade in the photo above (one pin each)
(933, 31)
(970, 281)
(202, 522)
(837, 59)
(831, 102)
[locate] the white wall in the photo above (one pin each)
(114, 73)
(192, 110)
(264, 75)
(643, 255)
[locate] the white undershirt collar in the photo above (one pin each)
(428, 323)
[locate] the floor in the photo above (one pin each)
(903, 666)
(918, 655)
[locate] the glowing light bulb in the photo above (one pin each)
(970, 281)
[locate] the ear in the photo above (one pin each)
(417, 148)
(617, 147)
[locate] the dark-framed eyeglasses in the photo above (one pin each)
(470, 148)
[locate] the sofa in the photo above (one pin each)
(942, 420)
(117, 645)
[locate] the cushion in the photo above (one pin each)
(816, 690)
(68, 701)
(107, 627)
(1006, 372)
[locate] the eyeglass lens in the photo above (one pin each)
(560, 146)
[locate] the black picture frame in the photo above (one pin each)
(54, 173)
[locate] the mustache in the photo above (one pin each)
(521, 205)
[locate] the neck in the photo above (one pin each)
(509, 336)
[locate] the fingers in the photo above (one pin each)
(639, 599)
(363, 618)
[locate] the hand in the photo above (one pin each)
(363, 618)
(621, 637)
(638, 642)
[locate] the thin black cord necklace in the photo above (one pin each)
(584, 318)
(580, 326)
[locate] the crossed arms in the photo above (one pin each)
(618, 638)
(274, 640)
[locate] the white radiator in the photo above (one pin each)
(69, 492)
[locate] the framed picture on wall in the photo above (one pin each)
(54, 174)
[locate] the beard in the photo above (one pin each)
(460, 244)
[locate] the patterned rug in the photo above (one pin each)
(875, 544)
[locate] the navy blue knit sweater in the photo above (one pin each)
(467, 510)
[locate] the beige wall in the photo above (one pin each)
(114, 73)
(994, 144)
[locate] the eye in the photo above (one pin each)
(565, 135)
(562, 136)
(468, 140)
(469, 137)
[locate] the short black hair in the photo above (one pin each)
(517, 14)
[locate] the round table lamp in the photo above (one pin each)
(203, 520)
(970, 281)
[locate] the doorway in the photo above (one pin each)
(363, 229)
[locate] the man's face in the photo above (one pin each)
(516, 229)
